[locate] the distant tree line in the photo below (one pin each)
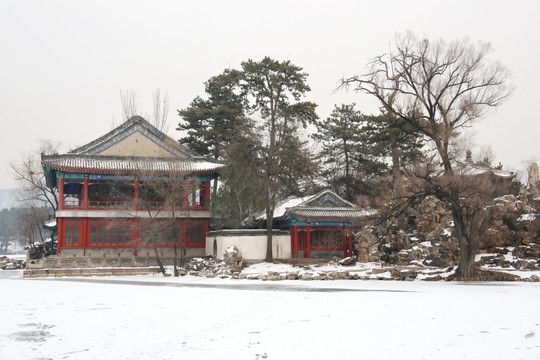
(22, 226)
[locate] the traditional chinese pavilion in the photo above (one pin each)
(320, 224)
(132, 189)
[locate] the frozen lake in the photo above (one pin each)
(150, 317)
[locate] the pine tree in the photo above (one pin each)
(211, 123)
(274, 89)
(350, 156)
(396, 140)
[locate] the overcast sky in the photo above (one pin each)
(64, 63)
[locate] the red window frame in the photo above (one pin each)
(72, 237)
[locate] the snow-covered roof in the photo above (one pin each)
(133, 125)
(90, 163)
(332, 213)
(289, 202)
(474, 170)
(134, 146)
(326, 204)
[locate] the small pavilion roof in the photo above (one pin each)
(324, 205)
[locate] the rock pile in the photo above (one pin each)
(427, 237)
(229, 267)
(11, 264)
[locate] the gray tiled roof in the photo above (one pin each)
(90, 163)
(135, 124)
(331, 213)
(89, 158)
(326, 204)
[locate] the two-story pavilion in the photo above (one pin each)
(133, 188)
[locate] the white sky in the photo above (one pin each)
(63, 63)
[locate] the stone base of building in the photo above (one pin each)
(109, 258)
(39, 273)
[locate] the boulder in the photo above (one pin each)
(351, 260)
(365, 242)
(233, 258)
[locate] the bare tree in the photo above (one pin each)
(34, 192)
(439, 88)
(165, 198)
(160, 105)
(31, 178)
(160, 108)
(129, 103)
(162, 200)
(29, 222)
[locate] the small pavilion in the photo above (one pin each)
(320, 224)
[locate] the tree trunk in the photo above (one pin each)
(348, 192)
(479, 223)
(214, 189)
(175, 260)
(396, 169)
(158, 260)
(269, 240)
(465, 269)
(183, 255)
(467, 238)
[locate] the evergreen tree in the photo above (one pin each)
(211, 123)
(396, 140)
(350, 156)
(274, 91)
(251, 121)
(240, 196)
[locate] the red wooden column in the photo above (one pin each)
(206, 195)
(206, 228)
(307, 252)
(60, 234)
(186, 191)
(137, 194)
(61, 193)
(294, 242)
(350, 240)
(86, 200)
(84, 232)
(60, 221)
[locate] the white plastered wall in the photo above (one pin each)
(252, 247)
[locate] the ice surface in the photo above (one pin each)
(151, 317)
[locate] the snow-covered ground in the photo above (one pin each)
(151, 317)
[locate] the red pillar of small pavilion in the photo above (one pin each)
(60, 221)
(348, 242)
(294, 242)
(85, 241)
(307, 252)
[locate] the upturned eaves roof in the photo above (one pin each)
(117, 164)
